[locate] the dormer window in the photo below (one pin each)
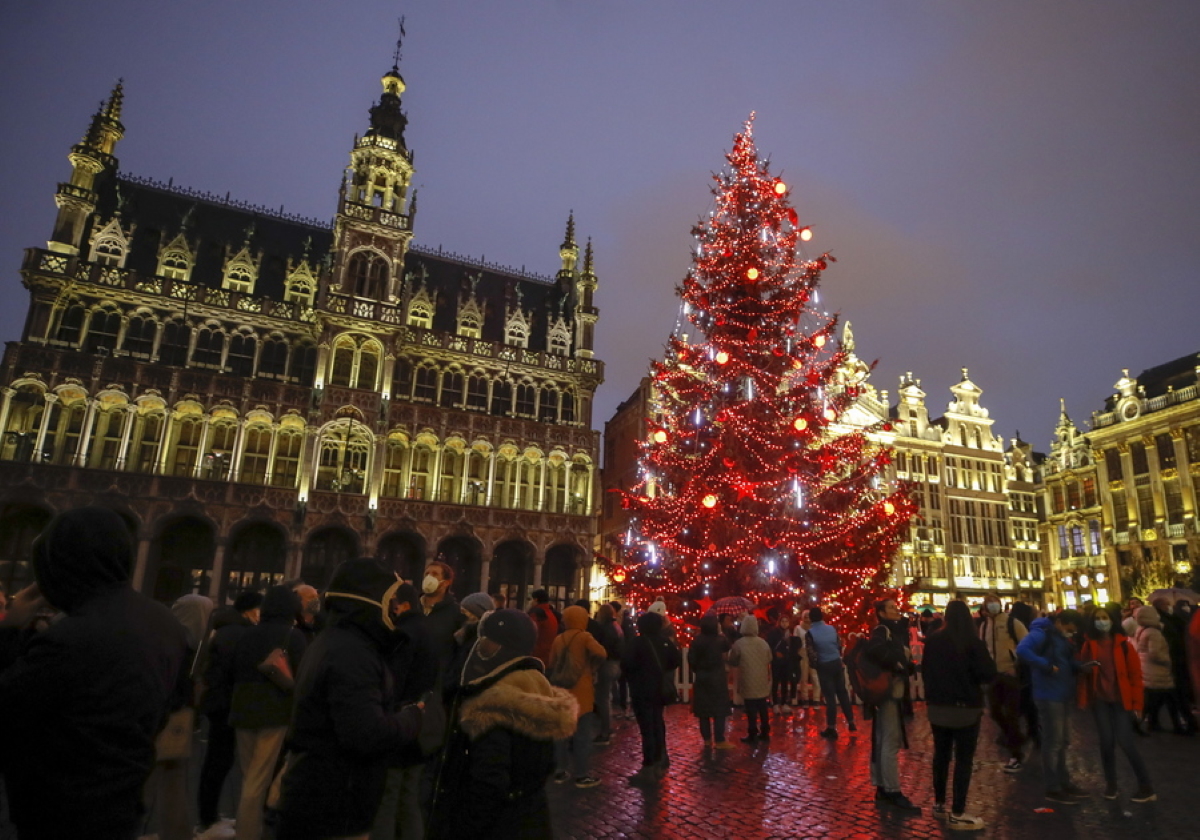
(175, 266)
(420, 312)
(110, 245)
(241, 271)
(516, 331)
(558, 341)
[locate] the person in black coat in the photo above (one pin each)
(506, 718)
(710, 690)
(83, 703)
(648, 656)
(956, 665)
(345, 726)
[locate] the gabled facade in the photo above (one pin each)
(263, 396)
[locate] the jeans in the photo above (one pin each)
(577, 749)
(218, 761)
(756, 716)
(1004, 703)
(609, 672)
(711, 728)
(399, 816)
(1056, 737)
(653, 729)
(885, 746)
(832, 675)
(1115, 729)
(960, 741)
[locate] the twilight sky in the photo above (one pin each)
(1011, 187)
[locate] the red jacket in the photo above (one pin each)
(1129, 673)
(547, 630)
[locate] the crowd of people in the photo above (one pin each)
(387, 709)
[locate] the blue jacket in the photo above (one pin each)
(1045, 647)
(824, 641)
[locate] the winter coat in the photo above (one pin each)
(706, 658)
(500, 755)
(785, 662)
(612, 637)
(346, 727)
(415, 673)
(547, 630)
(1128, 667)
(752, 657)
(580, 645)
(257, 703)
(822, 642)
(885, 647)
(955, 677)
(82, 704)
(441, 623)
(1045, 648)
(217, 668)
(1000, 643)
(647, 656)
(1152, 650)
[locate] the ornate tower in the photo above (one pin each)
(373, 226)
(586, 312)
(93, 154)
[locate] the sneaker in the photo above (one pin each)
(940, 811)
(1061, 798)
(586, 782)
(777, 708)
(964, 822)
(831, 734)
(1110, 791)
(1013, 766)
(1145, 793)
(723, 745)
(902, 802)
(561, 776)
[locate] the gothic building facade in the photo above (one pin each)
(1121, 500)
(262, 396)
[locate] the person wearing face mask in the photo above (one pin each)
(473, 608)
(345, 723)
(1113, 691)
(505, 720)
(1001, 634)
(442, 615)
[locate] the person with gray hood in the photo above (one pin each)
(751, 655)
(345, 727)
(83, 703)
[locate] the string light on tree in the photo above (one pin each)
(760, 489)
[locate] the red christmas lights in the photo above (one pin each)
(750, 484)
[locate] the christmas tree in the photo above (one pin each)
(751, 483)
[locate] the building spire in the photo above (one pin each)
(588, 266)
(112, 108)
(569, 239)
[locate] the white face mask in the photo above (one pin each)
(1103, 626)
(430, 584)
(993, 607)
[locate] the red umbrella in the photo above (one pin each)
(733, 605)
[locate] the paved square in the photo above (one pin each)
(801, 785)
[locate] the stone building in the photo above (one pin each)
(262, 396)
(1121, 505)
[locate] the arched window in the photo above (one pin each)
(355, 362)
(272, 361)
(103, 330)
(402, 379)
(109, 252)
(241, 354)
(502, 398)
(71, 324)
(394, 455)
(175, 265)
(256, 454)
(567, 414)
(210, 342)
(188, 430)
(174, 347)
(303, 363)
(143, 448)
(477, 392)
(289, 446)
(526, 399)
(425, 384)
(548, 406)
(517, 333)
(420, 313)
(139, 336)
(345, 451)
(367, 275)
(452, 389)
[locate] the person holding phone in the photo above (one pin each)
(1112, 689)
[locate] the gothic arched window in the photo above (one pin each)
(139, 336)
(103, 329)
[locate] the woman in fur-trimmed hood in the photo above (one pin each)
(506, 719)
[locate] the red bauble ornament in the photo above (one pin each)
(729, 462)
(792, 217)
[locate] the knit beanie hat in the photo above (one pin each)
(659, 606)
(511, 629)
(1147, 616)
(478, 604)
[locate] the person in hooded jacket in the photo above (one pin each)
(500, 754)
(84, 701)
(647, 657)
(346, 726)
(585, 652)
(260, 710)
(710, 690)
(751, 655)
(1157, 671)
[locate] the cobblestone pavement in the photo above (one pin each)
(801, 785)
